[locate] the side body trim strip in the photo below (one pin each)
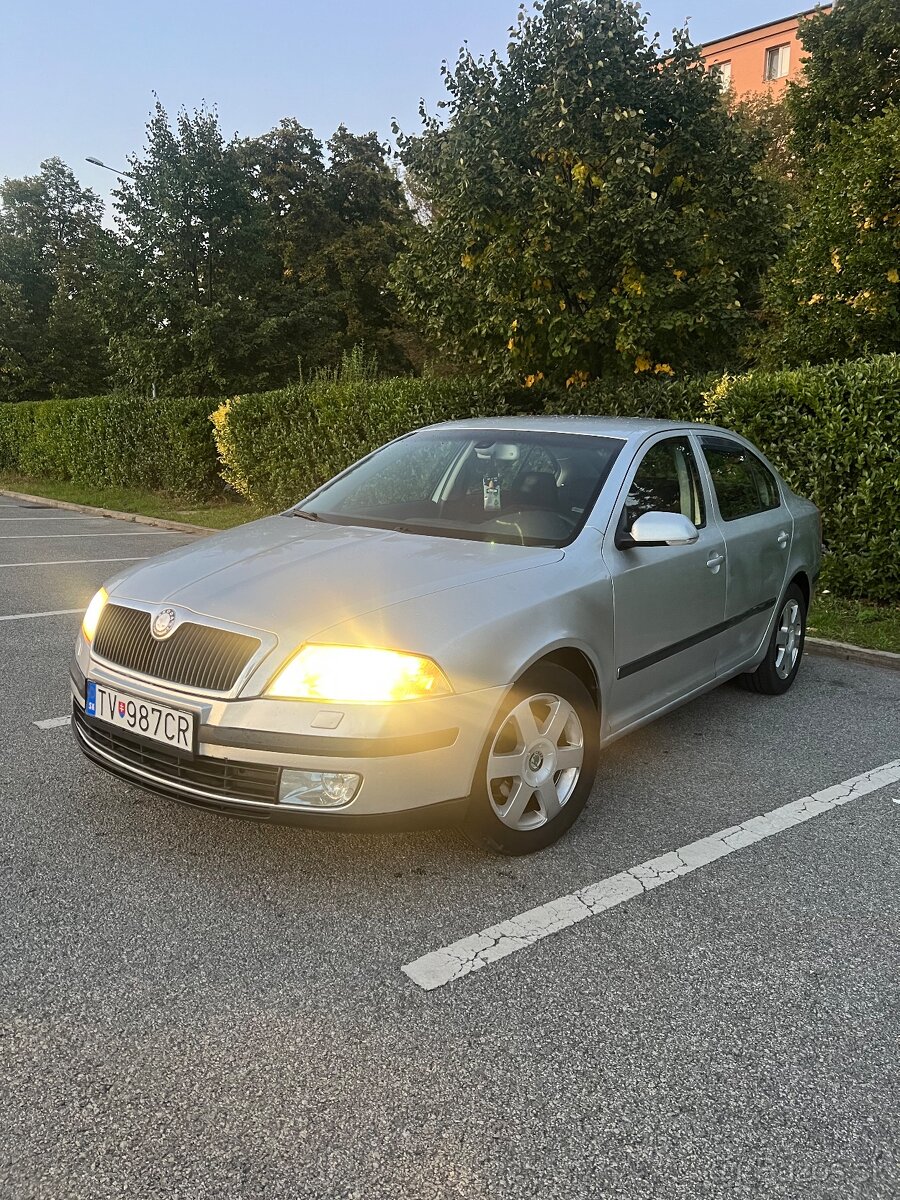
(650, 660)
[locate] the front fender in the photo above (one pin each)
(486, 634)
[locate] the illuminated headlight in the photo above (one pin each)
(318, 789)
(357, 675)
(92, 615)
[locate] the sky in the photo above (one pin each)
(77, 77)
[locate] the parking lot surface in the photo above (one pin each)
(200, 1007)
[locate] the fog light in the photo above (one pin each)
(318, 789)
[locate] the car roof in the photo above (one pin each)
(627, 428)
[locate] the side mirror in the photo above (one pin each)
(663, 529)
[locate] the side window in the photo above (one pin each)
(666, 481)
(744, 485)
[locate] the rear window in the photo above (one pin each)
(744, 484)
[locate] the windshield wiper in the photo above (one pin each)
(307, 516)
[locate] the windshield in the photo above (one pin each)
(522, 488)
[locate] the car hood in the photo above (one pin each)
(293, 578)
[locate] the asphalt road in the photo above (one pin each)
(198, 1007)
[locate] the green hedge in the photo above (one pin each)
(108, 441)
(833, 431)
(277, 446)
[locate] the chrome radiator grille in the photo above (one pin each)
(200, 656)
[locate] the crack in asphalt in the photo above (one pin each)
(517, 933)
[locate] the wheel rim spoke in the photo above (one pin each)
(559, 718)
(514, 809)
(570, 758)
(506, 766)
(548, 799)
(524, 718)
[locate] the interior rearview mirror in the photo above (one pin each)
(663, 529)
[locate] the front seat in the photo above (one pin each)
(537, 489)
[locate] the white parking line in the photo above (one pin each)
(62, 562)
(24, 537)
(54, 722)
(471, 953)
(59, 612)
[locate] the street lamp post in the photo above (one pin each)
(97, 163)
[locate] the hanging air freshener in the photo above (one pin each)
(491, 493)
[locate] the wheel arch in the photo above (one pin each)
(577, 662)
(802, 580)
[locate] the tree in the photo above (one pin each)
(590, 207)
(244, 263)
(287, 175)
(851, 74)
(372, 220)
(836, 292)
(769, 122)
(188, 289)
(51, 245)
(335, 225)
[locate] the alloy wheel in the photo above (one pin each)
(535, 761)
(788, 638)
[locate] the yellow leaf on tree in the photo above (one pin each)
(641, 363)
(893, 275)
(578, 378)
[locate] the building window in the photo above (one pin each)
(778, 61)
(723, 72)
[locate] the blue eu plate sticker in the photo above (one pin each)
(91, 708)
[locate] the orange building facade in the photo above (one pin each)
(761, 59)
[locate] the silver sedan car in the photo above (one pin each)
(452, 629)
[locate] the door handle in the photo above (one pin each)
(715, 561)
(783, 539)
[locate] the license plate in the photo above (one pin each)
(158, 722)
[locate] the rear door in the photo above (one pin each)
(669, 600)
(758, 529)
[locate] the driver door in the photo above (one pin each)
(669, 601)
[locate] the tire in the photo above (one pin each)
(552, 761)
(778, 670)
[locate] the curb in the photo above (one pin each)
(137, 518)
(843, 650)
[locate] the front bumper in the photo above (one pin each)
(417, 760)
